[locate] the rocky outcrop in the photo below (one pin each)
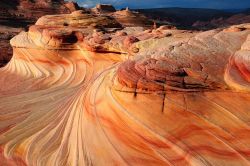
(72, 6)
(15, 15)
(131, 19)
(188, 63)
(33, 9)
(103, 8)
(237, 71)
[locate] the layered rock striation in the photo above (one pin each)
(83, 90)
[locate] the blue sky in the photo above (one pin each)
(216, 4)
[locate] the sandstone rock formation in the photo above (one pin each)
(15, 15)
(131, 19)
(126, 18)
(82, 90)
(33, 9)
(104, 8)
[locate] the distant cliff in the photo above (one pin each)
(194, 18)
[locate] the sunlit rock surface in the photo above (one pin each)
(80, 90)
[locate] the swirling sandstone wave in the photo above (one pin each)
(87, 92)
